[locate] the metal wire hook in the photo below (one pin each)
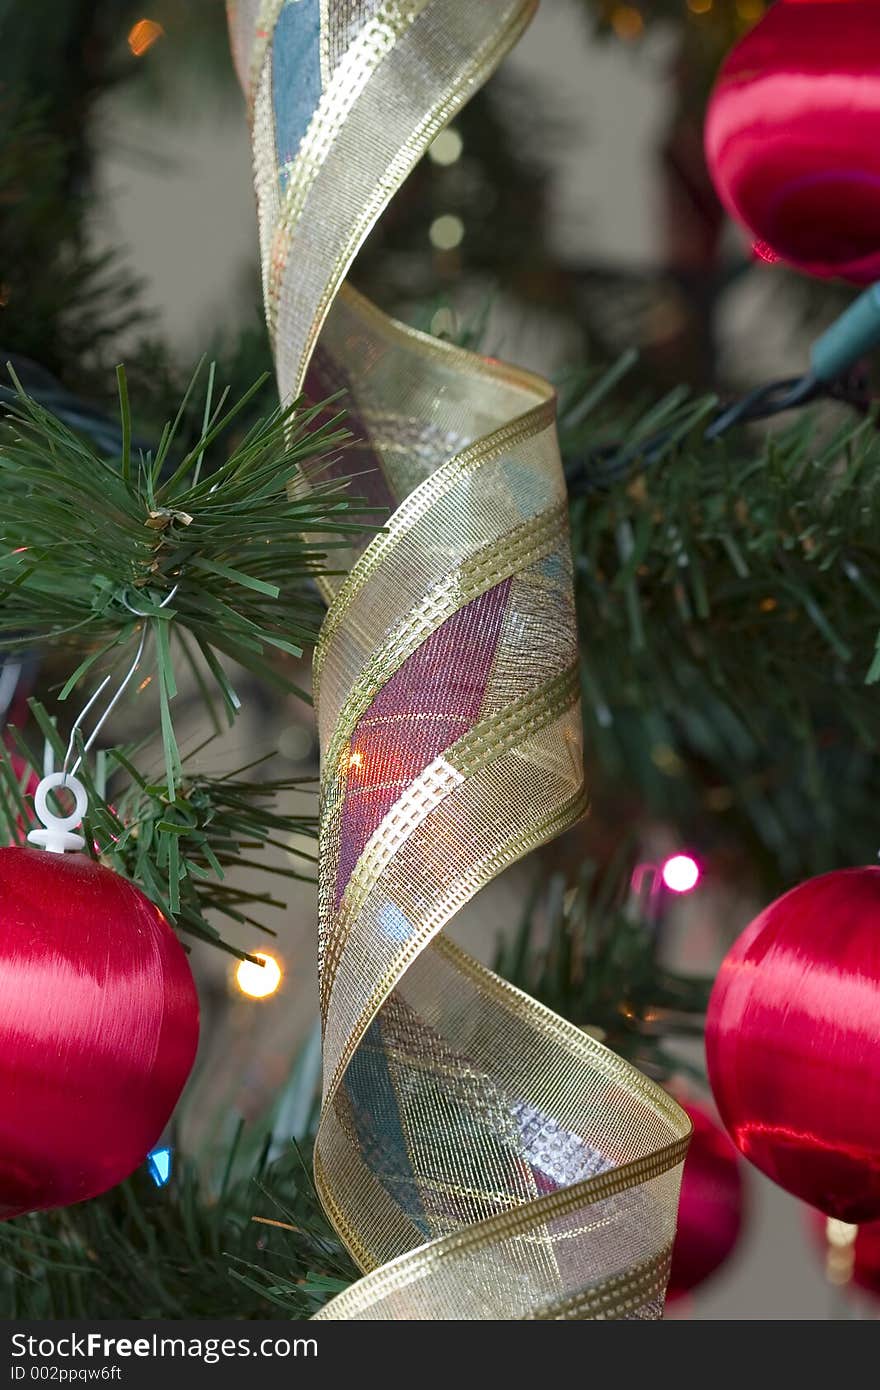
(139, 613)
(10, 673)
(116, 697)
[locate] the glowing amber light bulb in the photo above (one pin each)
(258, 981)
(143, 35)
(627, 22)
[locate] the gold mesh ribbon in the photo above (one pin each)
(480, 1157)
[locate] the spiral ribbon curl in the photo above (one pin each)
(480, 1157)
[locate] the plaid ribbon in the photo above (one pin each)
(480, 1157)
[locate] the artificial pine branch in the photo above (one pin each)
(210, 551)
(197, 1248)
(728, 595)
(591, 951)
(217, 548)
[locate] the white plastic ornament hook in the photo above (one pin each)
(57, 835)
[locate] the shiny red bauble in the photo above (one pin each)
(793, 135)
(710, 1212)
(793, 1043)
(99, 1023)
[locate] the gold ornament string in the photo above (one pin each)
(480, 1157)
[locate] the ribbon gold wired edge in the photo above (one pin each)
(620, 1292)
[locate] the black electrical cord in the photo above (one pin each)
(605, 466)
(79, 415)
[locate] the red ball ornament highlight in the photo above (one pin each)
(710, 1212)
(793, 1043)
(792, 135)
(99, 1024)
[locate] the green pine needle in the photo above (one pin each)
(201, 1247)
(728, 600)
(219, 547)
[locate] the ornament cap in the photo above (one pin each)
(58, 832)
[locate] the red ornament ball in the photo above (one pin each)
(710, 1213)
(793, 135)
(793, 1043)
(99, 1023)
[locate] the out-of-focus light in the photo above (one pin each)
(295, 743)
(447, 232)
(447, 147)
(356, 761)
(627, 22)
(159, 1166)
(840, 1233)
(719, 798)
(681, 873)
(443, 322)
(840, 1255)
(258, 981)
(762, 252)
(143, 35)
(750, 10)
(667, 760)
(699, 6)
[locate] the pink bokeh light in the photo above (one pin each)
(681, 873)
